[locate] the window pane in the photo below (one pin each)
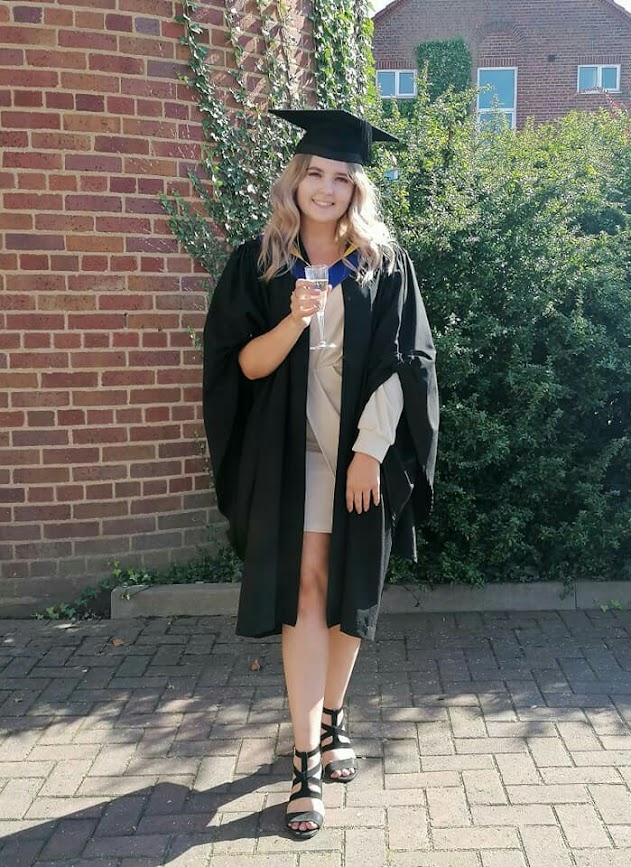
(503, 82)
(495, 122)
(587, 77)
(610, 78)
(385, 82)
(406, 84)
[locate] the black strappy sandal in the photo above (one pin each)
(336, 732)
(310, 787)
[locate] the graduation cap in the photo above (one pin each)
(334, 134)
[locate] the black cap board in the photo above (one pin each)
(334, 134)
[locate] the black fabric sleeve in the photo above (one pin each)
(402, 344)
(235, 317)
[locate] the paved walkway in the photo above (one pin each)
(485, 741)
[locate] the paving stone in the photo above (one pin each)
(573, 776)
(545, 847)
(613, 803)
(447, 808)
(621, 834)
(484, 787)
(433, 859)
(435, 739)
(475, 838)
(582, 827)
(407, 828)
(517, 769)
(401, 757)
(365, 848)
(68, 839)
(506, 858)
(612, 858)
(548, 752)
(548, 794)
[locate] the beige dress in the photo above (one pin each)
(377, 425)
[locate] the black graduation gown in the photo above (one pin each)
(256, 435)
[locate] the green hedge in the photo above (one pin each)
(522, 242)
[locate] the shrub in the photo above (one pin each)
(522, 243)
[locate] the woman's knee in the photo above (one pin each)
(313, 581)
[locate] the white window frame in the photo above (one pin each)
(599, 77)
(397, 74)
(511, 113)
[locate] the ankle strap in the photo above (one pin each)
(332, 713)
(300, 753)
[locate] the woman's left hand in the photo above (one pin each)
(363, 481)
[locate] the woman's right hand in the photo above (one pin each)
(305, 302)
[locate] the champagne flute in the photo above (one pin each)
(318, 276)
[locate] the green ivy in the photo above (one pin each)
(342, 34)
(245, 148)
(448, 65)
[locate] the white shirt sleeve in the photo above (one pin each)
(379, 420)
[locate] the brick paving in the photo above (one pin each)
(485, 740)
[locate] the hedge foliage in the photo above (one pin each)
(522, 243)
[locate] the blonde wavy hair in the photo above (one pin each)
(360, 226)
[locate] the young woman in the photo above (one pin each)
(323, 459)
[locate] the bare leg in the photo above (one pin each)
(343, 650)
(305, 658)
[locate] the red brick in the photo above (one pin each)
(31, 160)
(60, 100)
(71, 456)
(41, 418)
(89, 21)
(33, 202)
(99, 397)
(56, 60)
(82, 321)
(70, 379)
(91, 473)
(93, 203)
(70, 417)
(93, 163)
(41, 494)
(71, 530)
(36, 340)
(30, 120)
(70, 493)
(91, 435)
(40, 398)
(42, 513)
(119, 22)
(27, 36)
(27, 98)
(62, 141)
(100, 491)
(129, 526)
(94, 41)
(20, 321)
(12, 57)
(11, 419)
(89, 102)
(40, 437)
(62, 182)
(97, 340)
(39, 360)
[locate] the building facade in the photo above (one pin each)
(100, 410)
(540, 58)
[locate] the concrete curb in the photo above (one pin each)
(202, 600)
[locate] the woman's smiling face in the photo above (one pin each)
(326, 190)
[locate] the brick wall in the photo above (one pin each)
(100, 414)
(546, 41)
